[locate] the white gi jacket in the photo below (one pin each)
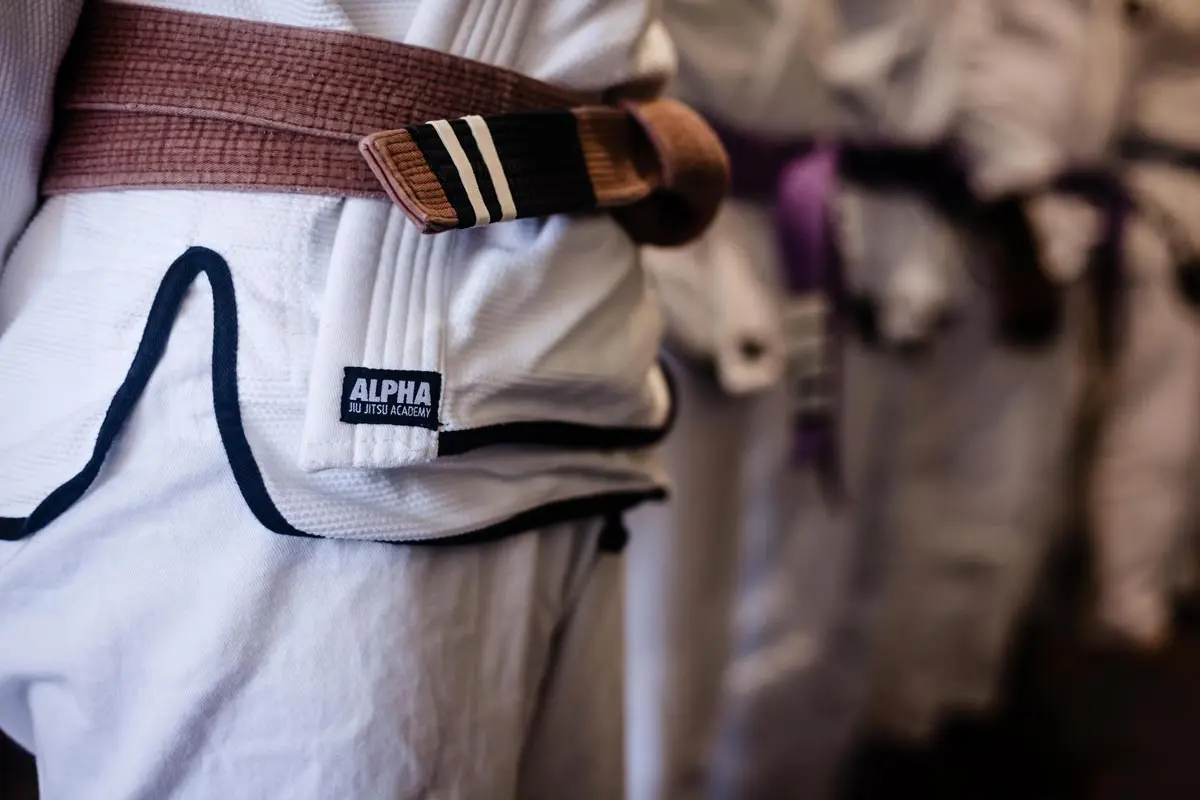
(530, 322)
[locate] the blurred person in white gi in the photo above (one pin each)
(1120, 103)
(976, 435)
(737, 486)
(824, 514)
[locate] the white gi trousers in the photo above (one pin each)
(157, 641)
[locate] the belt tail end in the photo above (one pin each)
(694, 175)
(400, 166)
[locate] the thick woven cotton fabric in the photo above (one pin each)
(154, 98)
(33, 40)
(529, 322)
(159, 642)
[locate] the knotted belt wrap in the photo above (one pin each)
(152, 98)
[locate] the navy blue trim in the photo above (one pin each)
(162, 315)
(149, 352)
(563, 435)
(227, 409)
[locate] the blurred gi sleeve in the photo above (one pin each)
(1043, 86)
(895, 67)
(1043, 92)
(34, 35)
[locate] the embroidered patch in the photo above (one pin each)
(391, 397)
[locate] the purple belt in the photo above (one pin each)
(797, 180)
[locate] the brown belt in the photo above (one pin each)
(161, 99)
